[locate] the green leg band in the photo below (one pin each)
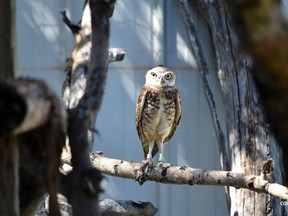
(161, 159)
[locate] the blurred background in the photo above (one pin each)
(152, 32)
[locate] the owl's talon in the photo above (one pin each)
(150, 163)
(150, 166)
(160, 164)
(144, 170)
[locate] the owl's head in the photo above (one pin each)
(160, 76)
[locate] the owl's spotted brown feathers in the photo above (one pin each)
(158, 111)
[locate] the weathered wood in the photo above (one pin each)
(167, 174)
(83, 92)
(9, 177)
(34, 119)
(126, 207)
(7, 42)
(25, 105)
(9, 153)
(34, 116)
(107, 207)
(77, 65)
(40, 143)
(250, 139)
(263, 31)
(248, 136)
(12, 108)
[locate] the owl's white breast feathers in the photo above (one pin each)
(165, 120)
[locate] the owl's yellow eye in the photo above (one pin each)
(168, 76)
(153, 75)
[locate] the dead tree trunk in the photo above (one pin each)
(9, 183)
(249, 138)
(9, 157)
(83, 92)
(7, 42)
(263, 31)
(249, 141)
(32, 123)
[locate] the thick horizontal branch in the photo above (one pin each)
(167, 174)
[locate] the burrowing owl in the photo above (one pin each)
(158, 111)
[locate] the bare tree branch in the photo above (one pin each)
(96, 79)
(77, 65)
(168, 174)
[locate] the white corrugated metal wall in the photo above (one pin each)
(152, 32)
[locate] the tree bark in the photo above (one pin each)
(9, 156)
(167, 174)
(30, 114)
(249, 137)
(263, 32)
(83, 92)
(9, 177)
(108, 207)
(25, 105)
(7, 42)
(249, 141)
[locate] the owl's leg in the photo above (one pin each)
(147, 166)
(151, 146)
(149, 155)
(160, 149)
